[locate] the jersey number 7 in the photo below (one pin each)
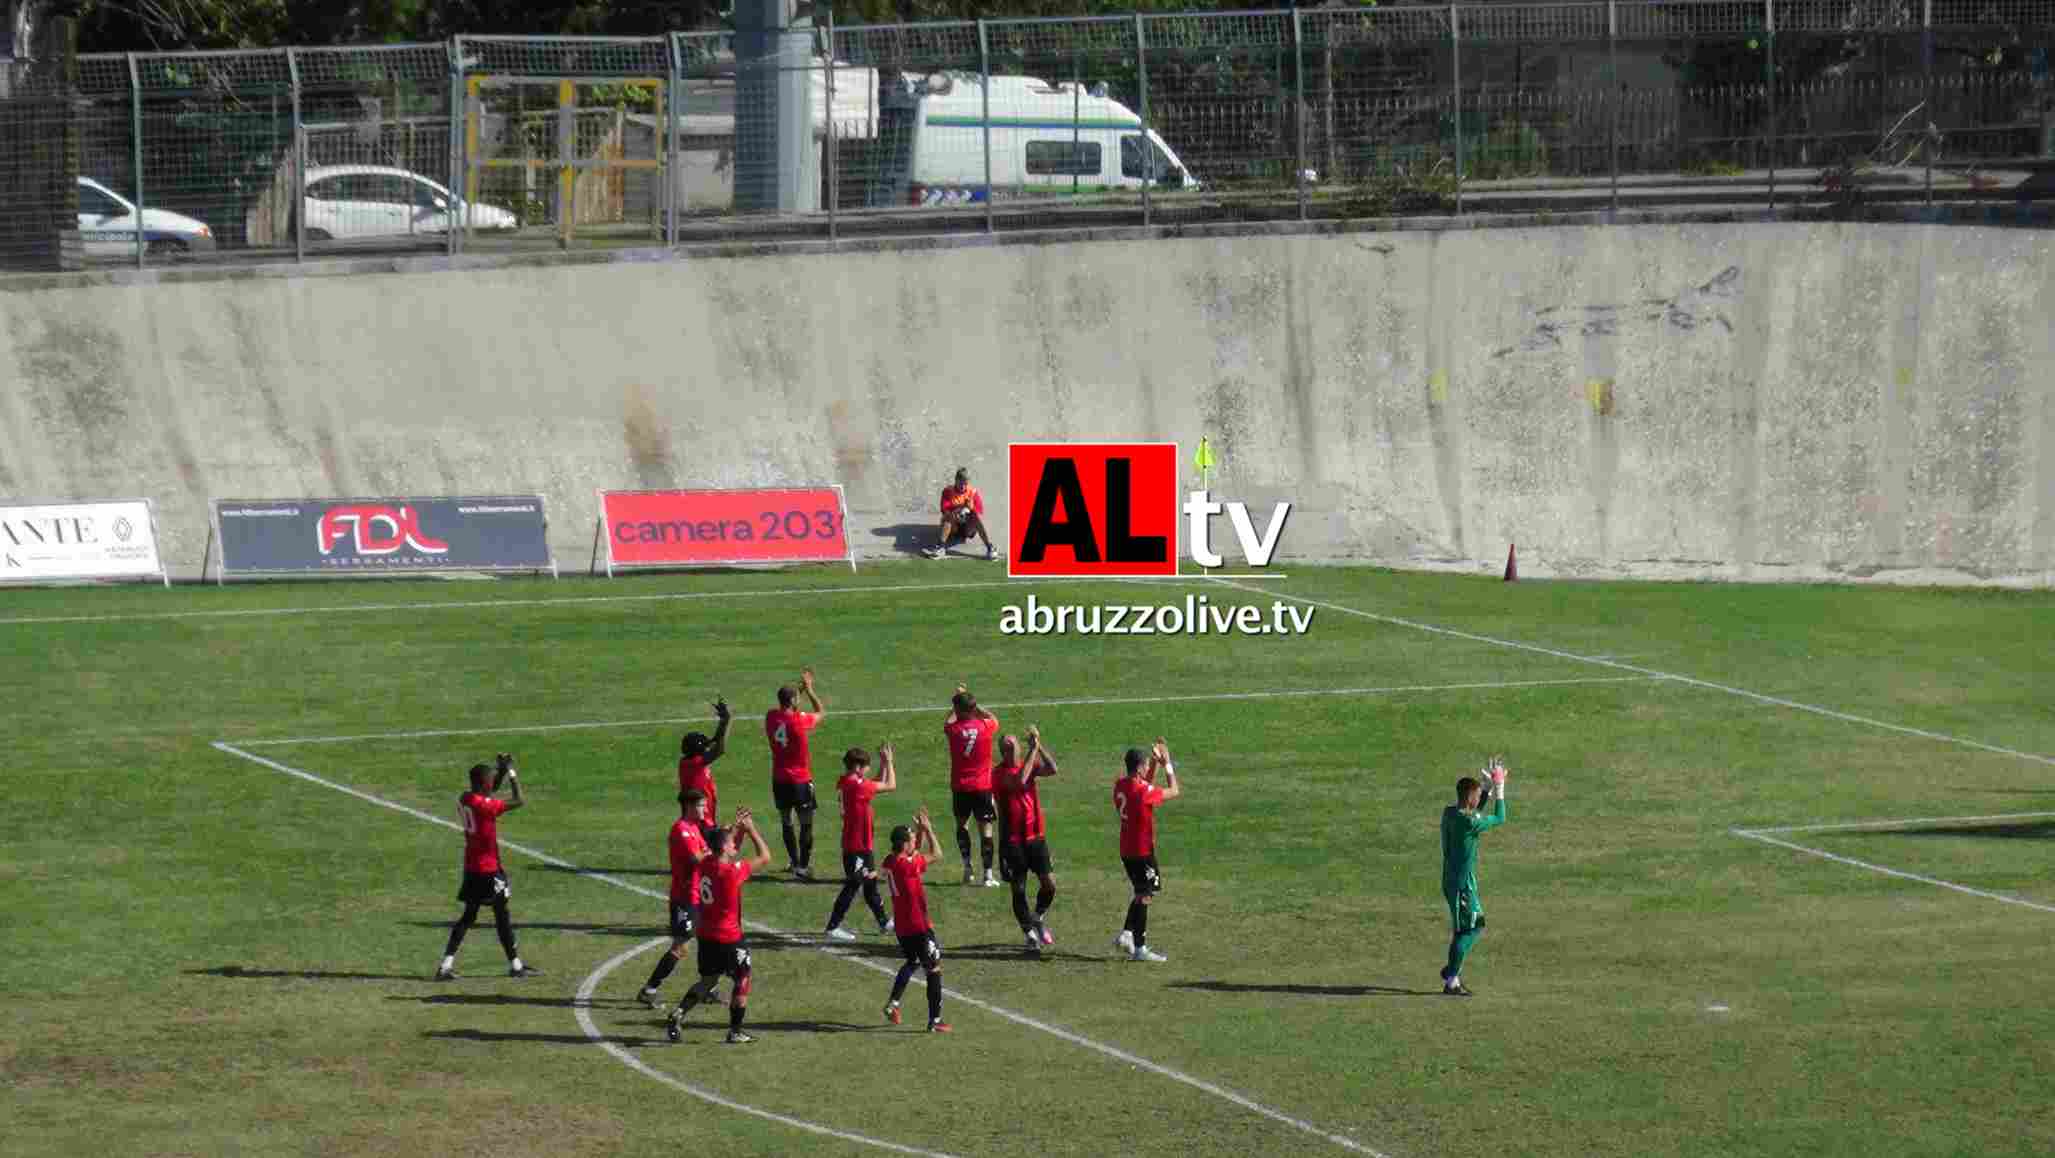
(970, 741)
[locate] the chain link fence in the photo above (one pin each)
(507, 143)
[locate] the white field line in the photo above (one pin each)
(1888, 824)
(583, 1008)
(1022, 1019)
(1652, 673)
(572, 600)
(1200, 697)
(1837, 858)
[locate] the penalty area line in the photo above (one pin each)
(582, 1006)
(1652, 673)
(1767, 836)
(1099, 701)
(1021, 1019)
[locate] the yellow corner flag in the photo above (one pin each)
(1204, 461)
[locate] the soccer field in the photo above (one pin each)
(1779, 875)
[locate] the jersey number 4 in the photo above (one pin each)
(470, 822)
(778, 736)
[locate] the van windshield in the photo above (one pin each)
(1132, 158)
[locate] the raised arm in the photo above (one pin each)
(720, 744)
(924, 840)
(812, 697)
(1039, 762)
(888, 779)
(1485, 821)
(1161, 753)
(762, 857)
(513, 778)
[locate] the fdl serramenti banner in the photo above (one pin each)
(383, 536)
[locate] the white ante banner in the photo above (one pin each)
(115, 540)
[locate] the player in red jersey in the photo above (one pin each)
(792, 771)
(696, 754)
(969, 731)
(912, 852)
(485, 880)
(1023, 833)
(687, 845)
(721, 951)
(1135, 797)
(859, 826)
(963, 515)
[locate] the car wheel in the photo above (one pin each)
(318, 235)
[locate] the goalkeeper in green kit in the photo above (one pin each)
(1461, 824)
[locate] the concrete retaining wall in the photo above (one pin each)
(1760, 401)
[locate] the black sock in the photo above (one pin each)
(1020, 912)
(791, 843)
(504, 922)
(1141, 924)
(934, 997)
(664, 965)
(806, 838)
(842, 902)
(1043, 899)
(735, 1013)
(985, 848)
(899, 981)
(963, 845)
(876, 903)
(1133, 907)
(458, 930)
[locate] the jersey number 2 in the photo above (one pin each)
(1120, 805)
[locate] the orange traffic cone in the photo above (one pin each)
(1512, 563)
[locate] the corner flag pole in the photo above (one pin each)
(1204, 461)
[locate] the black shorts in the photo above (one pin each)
(1143, 874)
(1016, 861)
(790, 797)
(684, 920)
(978, 804)
(858, 866)
(723, 958)
(485, 888)
(921, 949)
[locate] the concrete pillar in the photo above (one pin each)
(777, 164)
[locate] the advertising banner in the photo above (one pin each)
(110, 540)
(382, 536)
(703, 527)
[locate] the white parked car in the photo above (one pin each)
(107, 224)
(350, 201)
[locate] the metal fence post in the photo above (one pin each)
(135, 139)
(460, 187)
(674, 103)
(1926, 54)
(1299, 107)
(1612, 94)
(834, 188)
(1148, 154)
(1455, 38)
(299, 194)
(985, 118)
(1769, 68)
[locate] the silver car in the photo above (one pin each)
(107, 223)
(350, 201)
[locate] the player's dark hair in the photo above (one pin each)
(693, 744)
(962, 474)
(717, 841)
(1135, 759)
(787, 697)
(901, 837)
(964, 703)
(690, 800)
(855, 758)
(481, 775)
(1465, 787)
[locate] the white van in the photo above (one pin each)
(1047, 140)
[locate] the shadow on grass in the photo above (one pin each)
(1305, 990)
(301, 974)
(555, 927)
(490, 1036)
(2025, 830)
(512, 999)
(997, 951)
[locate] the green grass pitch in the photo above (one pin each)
(208, 956)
